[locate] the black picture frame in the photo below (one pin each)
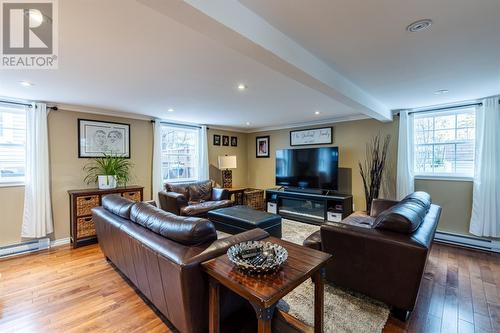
(262, 146)
(225, 140)
(234, 141)
(330, 128)
(82, 140)
(216, 140)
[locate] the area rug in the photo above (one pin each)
(345, 311)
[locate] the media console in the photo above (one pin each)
(309, 207)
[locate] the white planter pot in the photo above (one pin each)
(107, 182)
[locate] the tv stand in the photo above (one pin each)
(304, 206)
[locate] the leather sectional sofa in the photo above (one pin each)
(193, 199)
(382, 255)
(160, 253)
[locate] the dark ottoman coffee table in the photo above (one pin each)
(237, 219)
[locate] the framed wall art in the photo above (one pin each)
(225, 140)
(262, 146)
(96, 138)
(216, 140)
(313, 136)
(234, 141)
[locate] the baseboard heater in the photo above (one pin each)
(490, 245)
(24, 247)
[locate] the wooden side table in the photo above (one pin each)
(264, 292)
(238, 194)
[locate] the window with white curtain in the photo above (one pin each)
(444, 143)
(180, 151)
(12, 144)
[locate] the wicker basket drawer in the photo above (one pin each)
(132, 195)
(254, 198)
(85, 227)
(85, 204)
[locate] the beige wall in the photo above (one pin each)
(455, 197)
(11, 208)
(240, 173)
(67, 174)
(351, 138)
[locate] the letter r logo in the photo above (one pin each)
(27, 28)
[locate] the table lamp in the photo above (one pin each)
(225, 164)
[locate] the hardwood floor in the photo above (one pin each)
(66, 290)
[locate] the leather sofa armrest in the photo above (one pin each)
(379, 205)
(151, 202)
(172, 202)
(219, 194)
(220, 246)
(313, 241)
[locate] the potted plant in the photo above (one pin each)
(108, 171)
(373, 169)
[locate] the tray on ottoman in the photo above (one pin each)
(237, 219)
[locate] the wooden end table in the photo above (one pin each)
(238, 194)
(263, 292)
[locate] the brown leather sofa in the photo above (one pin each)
(160, 253)
(193, 199)
(382, 255)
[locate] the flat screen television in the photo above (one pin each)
(311, 168)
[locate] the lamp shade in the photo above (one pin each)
(227, 162)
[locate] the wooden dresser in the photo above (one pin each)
(82, 201)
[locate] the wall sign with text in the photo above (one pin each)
(314, 136)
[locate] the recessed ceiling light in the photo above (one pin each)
(419, 25)
(441, 91)
(317, 112)
(248, 123)
(241, 86)
(26, 83)
(36, 16)
(170, 110)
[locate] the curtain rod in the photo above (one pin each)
(176, 124)
(445, 108)
(55, 108)
(15, 103)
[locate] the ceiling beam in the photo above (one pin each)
(237, 27)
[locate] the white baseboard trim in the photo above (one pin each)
(59, 242)
(484, 244)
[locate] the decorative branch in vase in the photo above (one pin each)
(372, 171)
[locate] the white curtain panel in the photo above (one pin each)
(203, 172)
(405, 182)
(485, 218)
(37, 217)
(157, 179)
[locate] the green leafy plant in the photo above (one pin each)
(108, 165)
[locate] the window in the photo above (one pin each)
(12, 144)
(444, 143)
(180, 151)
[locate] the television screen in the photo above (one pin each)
(313, 168)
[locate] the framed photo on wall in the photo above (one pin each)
(313, 136)
(216, 140)
(234, 141)
(225, 140)
(262, 146)
(96, 138)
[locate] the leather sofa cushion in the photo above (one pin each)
(118, 205)
(178, 188)
(407, 215)
(201, 191)
(183, 230)
(201, 208)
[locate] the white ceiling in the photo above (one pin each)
(368, 43)
(122, 55)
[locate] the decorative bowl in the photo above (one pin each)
(256, 257)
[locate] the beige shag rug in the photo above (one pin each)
(345, 311)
